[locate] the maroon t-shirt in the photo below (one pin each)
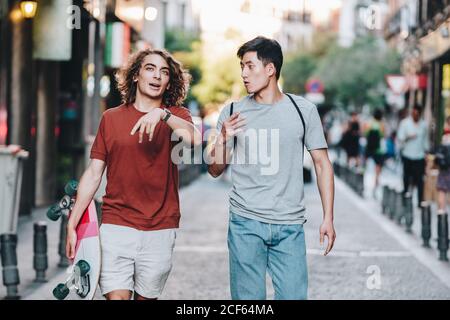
(142, 180)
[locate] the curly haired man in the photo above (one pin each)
(141, 209)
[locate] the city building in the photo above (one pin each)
(359, 18)
(54, 86)
(419, 29)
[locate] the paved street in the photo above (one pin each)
(373, 258)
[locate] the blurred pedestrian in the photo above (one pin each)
(391, 149)
(443, 162)
(267, 210)
(140, 211)
(350, 140)
(413, 140)
(374, 149)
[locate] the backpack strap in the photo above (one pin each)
(301, 118)
(298, 111)
(231, 113)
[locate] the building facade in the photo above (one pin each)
(419, 29)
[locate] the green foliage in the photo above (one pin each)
(355, 75)
(186, 48)
(221, 80)
(300, 66)
(296, 72)
(191, 61)
(179, 40)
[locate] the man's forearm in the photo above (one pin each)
(219, 157)
(325, 183)
(87, 188)
(185, 130)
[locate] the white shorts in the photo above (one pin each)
(135, 260)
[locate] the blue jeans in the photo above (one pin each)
(256, 247)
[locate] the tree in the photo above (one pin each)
(296, 72)
(355, 75)
(186, 48)
(176, 40)
(221, 81)
(300, 66)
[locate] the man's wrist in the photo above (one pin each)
(328, 220)
(221, 141)
(165, 114)
(70, 226)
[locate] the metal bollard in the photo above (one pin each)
(342, 172)
(8, 244)
(391, 203)
(336, 169)
(426, 223)
(398, 215)
(384, 200)
(442, 235)
(353, 179)
(63, 261)
(360, 181)
(408, 211)
(40, 259)
(348, 177)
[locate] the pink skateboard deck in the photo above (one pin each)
(84, 272)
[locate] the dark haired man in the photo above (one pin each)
(267, 209)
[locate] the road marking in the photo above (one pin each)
(313, 252)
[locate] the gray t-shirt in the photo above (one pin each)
(267, 165)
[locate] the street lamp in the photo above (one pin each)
(28, 9)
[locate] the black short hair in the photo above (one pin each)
(418, 108)
(378, 114)
(267, 50)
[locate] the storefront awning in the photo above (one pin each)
(436, 43)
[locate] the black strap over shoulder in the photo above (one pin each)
(301, 118)
(298, 111)
(231, 113)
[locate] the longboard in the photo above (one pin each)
(84, 271)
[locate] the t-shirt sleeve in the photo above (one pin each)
(182, 113)
(315, 137)
(401, 132)
(99, 149)
(224, 115)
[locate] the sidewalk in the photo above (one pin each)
(392, 176)
(25, 252)
(369, 246)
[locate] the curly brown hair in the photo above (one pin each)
(178, 83)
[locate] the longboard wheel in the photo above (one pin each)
(84, 267)
(61, 291)
(71, 188)
(54, 212)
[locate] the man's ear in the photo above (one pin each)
(271, 69)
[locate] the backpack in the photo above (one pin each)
(442, 155)
(373, 141)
